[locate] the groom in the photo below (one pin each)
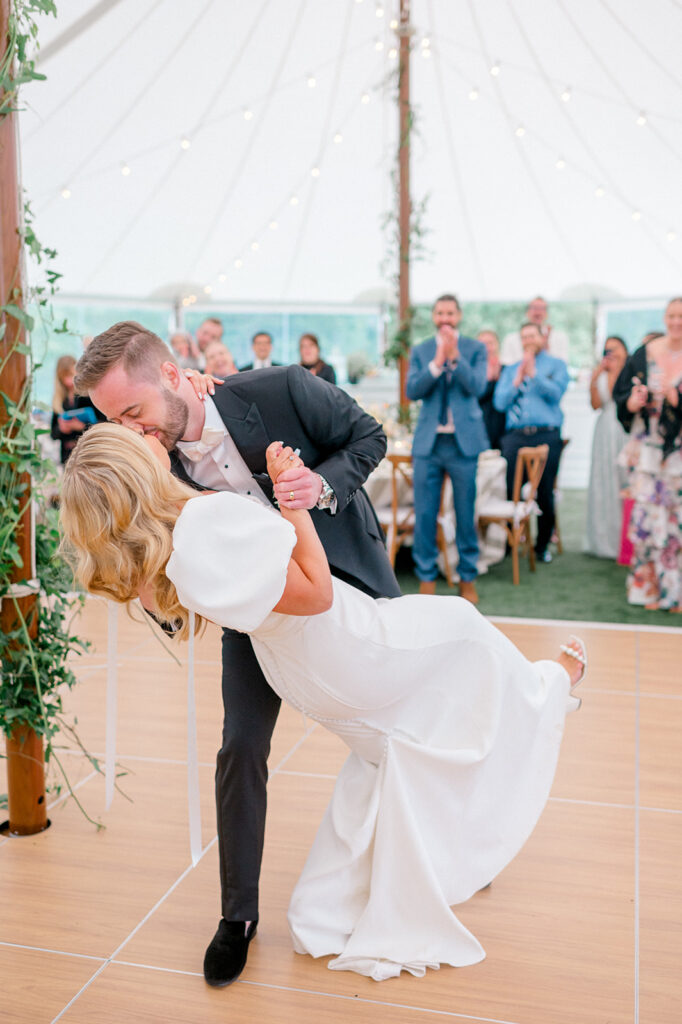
(219, 443)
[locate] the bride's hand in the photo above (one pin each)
(279, 457)
(203, 383)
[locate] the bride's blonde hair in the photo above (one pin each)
(119, 506)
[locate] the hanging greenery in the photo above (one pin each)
(34, 650)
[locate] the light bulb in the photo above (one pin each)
(315, 171)
(641, 119)
(473, 93)
(338, 138)
(379, 11)
(312, 81)
(365, 98)
(207, 289)
(255, 246)
(560, 164)
(379, 45)
(238, 264)
(185, 143)
(600, 192)
(125, 170)
(273, 225)
(248, 114)
(671, 236)
(293, 201)
(66, 192)
(566, 94)
(636, 215)
(520, 131)
(495, 69)
(222, 278)
(392, 53)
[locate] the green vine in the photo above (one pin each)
(34, 651)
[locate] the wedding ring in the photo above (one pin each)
(291, 495)
(291, 458)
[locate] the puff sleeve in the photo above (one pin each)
(230, 558)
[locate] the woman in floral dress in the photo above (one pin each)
(648, 396)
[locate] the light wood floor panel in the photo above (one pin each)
(133, 995)
(661, 753)
(90, 889)
(660, 658)
(37, 985)
(661, 918)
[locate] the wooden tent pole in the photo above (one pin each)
(404, 203)
(25, 766)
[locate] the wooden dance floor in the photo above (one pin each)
(584, 927)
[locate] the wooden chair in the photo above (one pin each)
(398, 521)
(515, 515)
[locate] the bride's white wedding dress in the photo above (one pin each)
(454, 738)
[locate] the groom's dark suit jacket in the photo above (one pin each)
(336, 438)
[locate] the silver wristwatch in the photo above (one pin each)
(327, 495)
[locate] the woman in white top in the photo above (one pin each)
(454, 735)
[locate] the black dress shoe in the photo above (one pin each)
(225, 957)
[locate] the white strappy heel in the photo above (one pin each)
(579, 655)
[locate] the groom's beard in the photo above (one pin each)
(175, 423)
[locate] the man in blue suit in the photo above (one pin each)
(448, 373)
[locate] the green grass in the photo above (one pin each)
(572, 586)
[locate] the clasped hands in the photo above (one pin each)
(446, 345)
(526, 368)
(295, 486)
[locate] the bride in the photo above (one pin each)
(453, 735)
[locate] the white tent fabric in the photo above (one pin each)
(547, 141)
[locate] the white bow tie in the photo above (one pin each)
(210, 438)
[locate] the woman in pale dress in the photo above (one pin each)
(648, 397)
(604, 507)
(454, 735)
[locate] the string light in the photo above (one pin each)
(426, 42)
(185, 143)
(66, 192)
(273, 225)
(560, 164)
(238, 264)
(566, 94)
(379, 11)
(671, 236)
(125, 170)
(338, 138)
(247, 114)
(495, 69)
(520, 131)
(315, 172)
(255, 246)
(641, 119)
(222, 278)
(636, 215)
(600, 192)
(426, 52)
(392, 55)
(312, 81)
(473, 94)
(379, 45)
(191, 299)
(207, 289)
(393, 24)
(293, 201)
(365, 98)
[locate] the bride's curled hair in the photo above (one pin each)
(119, 506)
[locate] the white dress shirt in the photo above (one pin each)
(222, 468)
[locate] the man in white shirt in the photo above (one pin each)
(555, 341)
(261, 343)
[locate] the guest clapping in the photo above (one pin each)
(309, 348)
(492, 418)
(529, 392)
(648, 400)
(603, 497)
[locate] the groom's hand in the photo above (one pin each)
(302, 483)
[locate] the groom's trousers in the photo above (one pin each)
(251, 709)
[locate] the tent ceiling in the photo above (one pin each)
(128, 81)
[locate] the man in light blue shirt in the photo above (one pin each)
(529, 393)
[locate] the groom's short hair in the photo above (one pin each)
(139, 351)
